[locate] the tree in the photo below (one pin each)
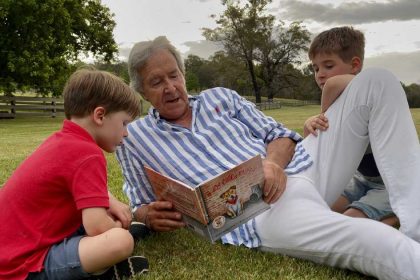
(281, 49)
(191, 81)
(269, 51)
(413, 95)
(193, 64)
(241, 30)
(302, 84)
(119, 68)
(40, 39)
(230, 72)
(220, 70)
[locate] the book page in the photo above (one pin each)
(184, 198)
(227, 194)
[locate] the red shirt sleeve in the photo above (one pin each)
(89, 185)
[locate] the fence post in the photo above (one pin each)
(54, 109)
(13, 109)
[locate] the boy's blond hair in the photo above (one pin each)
(344, 41)
(89, 88)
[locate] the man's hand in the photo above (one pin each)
(119, 211)
(313, 123)
(275, 181)
(160, 216)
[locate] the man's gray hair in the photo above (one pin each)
(141, 52)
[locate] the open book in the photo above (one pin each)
(218, 205)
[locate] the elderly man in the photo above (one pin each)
(193, 138)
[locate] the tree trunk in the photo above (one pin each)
(254, 82)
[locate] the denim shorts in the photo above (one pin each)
(63, 261)
(369, 197)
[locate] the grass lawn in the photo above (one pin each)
(181, 254)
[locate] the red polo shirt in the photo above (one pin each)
(41, 203)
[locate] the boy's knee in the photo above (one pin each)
(378, 74)
(376, 85)
(122, 241)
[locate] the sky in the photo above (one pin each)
(391, 27)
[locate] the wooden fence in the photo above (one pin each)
(277, 104)
(297, 103)
(10, 106)
(265, 105)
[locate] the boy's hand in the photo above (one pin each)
(120, 212)
(313, 123)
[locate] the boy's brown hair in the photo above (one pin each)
(344, 41)
(89, 88)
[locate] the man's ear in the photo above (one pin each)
(356, 65)
(98, 115)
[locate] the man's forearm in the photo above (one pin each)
(280, 151)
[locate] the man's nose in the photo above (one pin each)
(169, 87)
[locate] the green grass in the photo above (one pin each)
(181, 254)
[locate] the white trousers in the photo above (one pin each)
(372, 108)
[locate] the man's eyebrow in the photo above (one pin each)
(153, 77)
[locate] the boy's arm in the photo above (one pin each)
(119, 211)
(96, 221)
(333, 88)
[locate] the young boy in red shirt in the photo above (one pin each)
(58, 219)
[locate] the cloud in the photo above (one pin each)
(404, 65)
(202, 48)
(124, 52)
(350, 12)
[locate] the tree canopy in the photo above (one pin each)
(248, 33)
(40, 39)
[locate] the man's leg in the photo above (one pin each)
(372, 108)
(300, 224)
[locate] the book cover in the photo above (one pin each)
(218, 205)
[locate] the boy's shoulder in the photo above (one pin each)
(71, 141)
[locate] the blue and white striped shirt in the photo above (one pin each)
(226, 130)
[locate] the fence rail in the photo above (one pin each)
(268, 105)
(277, 104)
(297, 103)
(10, 106)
